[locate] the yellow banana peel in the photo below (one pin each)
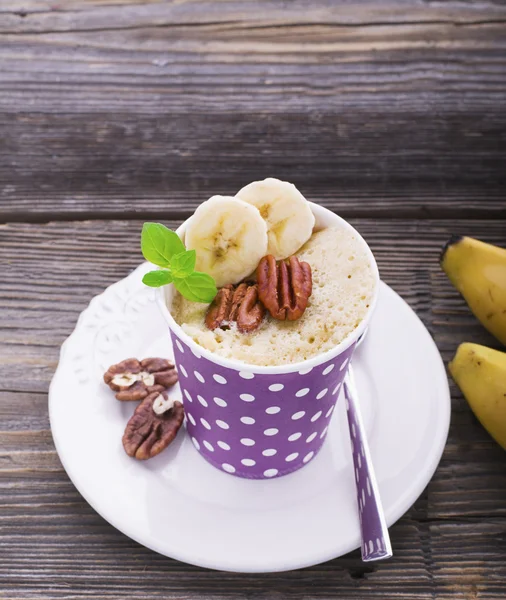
(480, 373)
(478, 271)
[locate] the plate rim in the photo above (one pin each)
(409, 497)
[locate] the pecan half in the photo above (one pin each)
(134, 380)
(284, 288)
(239, 304)
(148, 433)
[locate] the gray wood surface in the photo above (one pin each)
(111, 112)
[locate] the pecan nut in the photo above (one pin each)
(236, 304)
(134, 380)
(283, 288)
(149, 432)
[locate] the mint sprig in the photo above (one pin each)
(157, 278)
(197, 287)
(159, 244)
(183, 264)
(163, 247)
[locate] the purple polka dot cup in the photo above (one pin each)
(261, 422)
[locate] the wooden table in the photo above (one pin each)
(112, 112)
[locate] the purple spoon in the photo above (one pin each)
(374, 531)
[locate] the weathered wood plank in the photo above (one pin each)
(76, 547)
(40, 17)
(373, 109)
(470, 481)
(42, 513)
(51, 272)
(372, 164)
(72, 564)
(121, 109)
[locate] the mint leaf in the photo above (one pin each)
(162, 247)
(157, 278)
(183, 264)
(197, 287)
(159, 244)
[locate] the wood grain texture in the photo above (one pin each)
(120, 165)
(450, 544)
(51, 271)
(373, 108)
(116, 111)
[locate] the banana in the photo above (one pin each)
(480, 373)
(287, 213)
(229, 237)
(478, 271)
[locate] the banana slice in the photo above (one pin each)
(287, 213)
(230, 238)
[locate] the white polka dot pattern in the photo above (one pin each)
(246, 375)
(276, 387)
(270, 472)
(302, 392)
(316, 416)
(252, 424)
(305, 371)
(271, 431)
(308, 457)
(375, 542)
(247, 397)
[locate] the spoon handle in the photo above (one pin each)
(375, 538)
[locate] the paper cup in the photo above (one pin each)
(261, 422)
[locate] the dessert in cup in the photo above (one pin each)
(265, 295)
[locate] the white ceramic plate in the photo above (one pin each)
(179, 505)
